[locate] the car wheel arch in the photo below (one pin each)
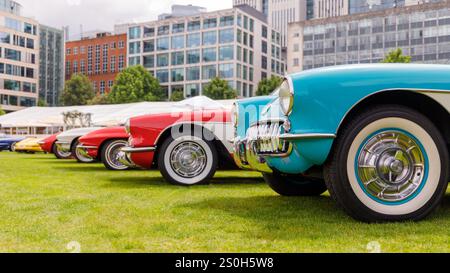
(102, 144)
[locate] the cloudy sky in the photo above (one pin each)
(103, 14)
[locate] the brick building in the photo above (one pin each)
(100, 57)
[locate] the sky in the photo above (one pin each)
(103, 14)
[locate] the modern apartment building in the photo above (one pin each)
(100, 58)
(421, 31)
(281, 12)
(51, 67)
(185, 53)
(19, 58)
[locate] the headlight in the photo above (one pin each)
(286, 96)
(128, 126)
(235, 115)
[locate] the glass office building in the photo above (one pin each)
(421, 31)
(51, 67)
(19, 58)
(185, 53)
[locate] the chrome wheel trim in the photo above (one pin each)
(62, 153)
(188, 159)
(392, 166)
(113, 154)
(13, 147)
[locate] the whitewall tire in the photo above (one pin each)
(389, 164)
(187, 160)
(110, 155)
(78, 156)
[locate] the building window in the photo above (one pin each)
(178, 42)
(162, 76)
(226, 71)
(75, 67)
(110, 84)
(121, 62)
(209, 54)
(149, 46)
(178, 28)
(68, 51)
(102, 87)
(121, 44)
(75, 51)
(135, 48)
(162, 60)
(226, 21)
(193, 73)
(210, 23)
(193, 40)
(209, 72)
(192, 90)
(226, 36)
(163, 44)
(226, 53)
(178, 58)
(149, 32)
(134, 60)
(193, 56)
(83, 66)
(264, 31)
(178, 75)
(149, 61)
(210, 38)
(68, 68)
(194, 26)
(134, 32)
(163, 30)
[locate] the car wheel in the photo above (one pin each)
(12, 148)
(187, 160)
(390, 163)
(60, 154)
(110, 153)
(78, 156)
(290, 185)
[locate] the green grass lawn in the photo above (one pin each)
(47, 203)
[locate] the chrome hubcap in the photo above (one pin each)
(188, 159)
(114, 154)
(63, 153)
(391, 166)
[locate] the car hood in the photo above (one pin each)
(70, 135)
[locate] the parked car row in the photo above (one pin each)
(376, 137)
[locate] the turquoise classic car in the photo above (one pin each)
(375, 136)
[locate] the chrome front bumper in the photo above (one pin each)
(63, 146)
(246, 158)
(124, 156)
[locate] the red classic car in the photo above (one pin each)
(49, 146)
(187, 146)
(104, 145)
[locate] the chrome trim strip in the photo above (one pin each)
(138, 150)
(86, 147)
(261, 122)
(305, 136)
(62, 143)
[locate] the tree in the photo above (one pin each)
(396, 56)
(2, 112)
(219, 89)
(77, 91)
(42, 103)
(177, 96)
(99, 100)
(135, 84)
(268, 85)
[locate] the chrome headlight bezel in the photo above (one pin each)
(128, 126)
(235, 115)
(286, 97)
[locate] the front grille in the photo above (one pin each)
(265, 139)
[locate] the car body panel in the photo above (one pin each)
(94, 140)
(47, 143)
(7, 141)
(324, 97)
(29, 145)
(146, 131)
(65, 139)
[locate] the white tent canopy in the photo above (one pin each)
(104, 115)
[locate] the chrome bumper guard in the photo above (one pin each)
(124, 156)
(83, 150)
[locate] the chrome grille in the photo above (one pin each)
(265, 139)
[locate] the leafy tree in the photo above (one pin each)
(42, 103)
(2, 112)
(268, 85)
(77, 91)
(135, 84)
(177, 96)
(396, 56)
(219, 89)
(99, 100)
